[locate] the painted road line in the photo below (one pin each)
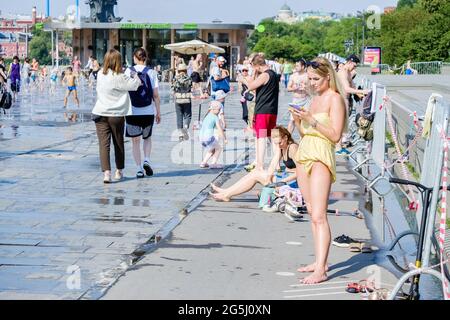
(314, 289)
(285, 274)
(319, 284)
(314, 295)
(293, 243)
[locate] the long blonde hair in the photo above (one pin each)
(324, 69)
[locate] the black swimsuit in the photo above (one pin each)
(289, 163)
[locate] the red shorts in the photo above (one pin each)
(263, 125)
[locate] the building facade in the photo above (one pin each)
(13, 32)
(96, 38)
(287, 15)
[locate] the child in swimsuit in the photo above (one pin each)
(70, 81)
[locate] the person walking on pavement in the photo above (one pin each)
(182, 88)
(113, 104)
(146, 110)
(26, 72)
(321, 127)
(14, 76)
(197, 70)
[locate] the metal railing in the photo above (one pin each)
(431, 67)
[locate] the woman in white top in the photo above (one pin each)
(113, 104)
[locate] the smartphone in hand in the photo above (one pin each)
(296, 106)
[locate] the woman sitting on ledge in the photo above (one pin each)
(285, 150)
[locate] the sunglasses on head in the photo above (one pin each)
(314, 64)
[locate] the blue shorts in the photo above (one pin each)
(72, 88)
(284, 175)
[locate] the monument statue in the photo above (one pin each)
(103, 10)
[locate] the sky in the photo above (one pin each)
(197, 11)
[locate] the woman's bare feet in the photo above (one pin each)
(315, 278)
(309, 268)
(219, 197)
(216, 188)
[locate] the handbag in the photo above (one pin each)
(266, 197)
(249, 96)
(223, 84)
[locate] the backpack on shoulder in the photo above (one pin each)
(143, 97)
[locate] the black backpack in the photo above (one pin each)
(143, 97)
(5, 99)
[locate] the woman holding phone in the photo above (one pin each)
(321, 127)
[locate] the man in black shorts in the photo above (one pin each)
(197, 68)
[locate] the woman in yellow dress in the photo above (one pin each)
(320, 127)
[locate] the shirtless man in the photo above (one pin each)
(345, 76)
(299, 85)
(197, 68)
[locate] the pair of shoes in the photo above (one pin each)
(216, 166)
(343, 241)
(107, 178)
(361, 287)
(148, 170)
(204, 165)
(275, 207)
(360, 247)
(140, 174)
(119, 175)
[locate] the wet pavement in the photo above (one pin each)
(63, 233)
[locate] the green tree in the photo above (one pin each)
(41, 46)
(406, 3)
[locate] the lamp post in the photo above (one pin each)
(361, 14)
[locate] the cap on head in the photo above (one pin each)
(222, 59)
(353, 58)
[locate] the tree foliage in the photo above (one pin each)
(419, 30)
(41, 46)
(406, 3)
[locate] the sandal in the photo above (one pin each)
(355, 247)
(353, 288)
(379, 294)
(366, 249)
(204, 165)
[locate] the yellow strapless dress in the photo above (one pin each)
(315, 147)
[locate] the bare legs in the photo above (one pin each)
(214, 155)
(137, 149)
(245, 184)
(260, 152)
(75, 96)
(317, 208)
